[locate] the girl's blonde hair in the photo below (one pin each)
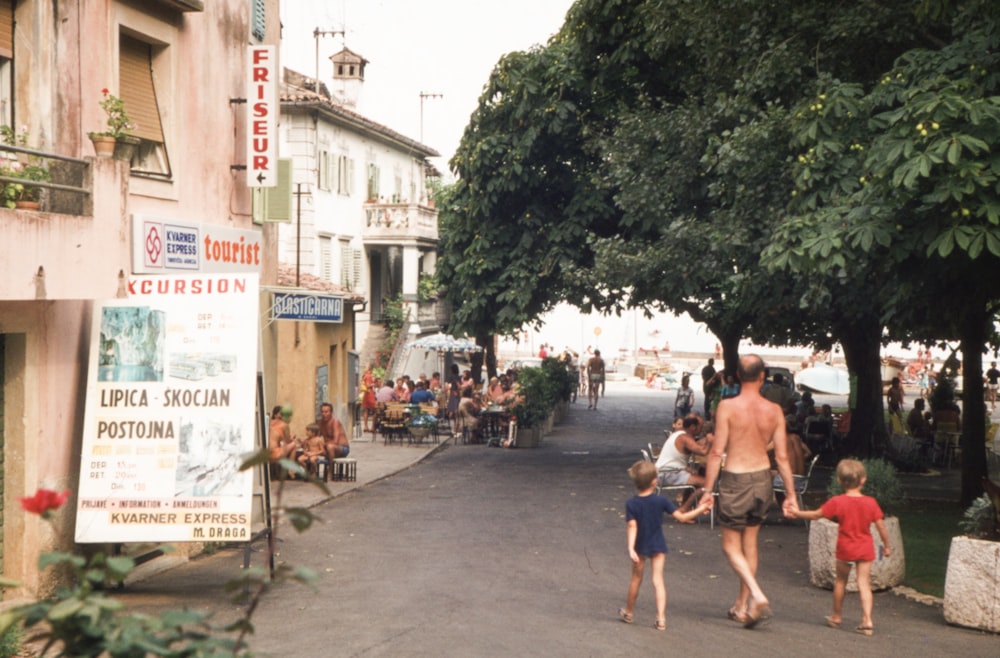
(850, 472)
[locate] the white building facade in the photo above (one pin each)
(361, 214)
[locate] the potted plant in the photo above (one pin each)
(20, 194)
(972, 580)
(882, 483)
(421, 424)
(538, 393)
(115, 140)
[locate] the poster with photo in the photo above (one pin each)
(170, 412)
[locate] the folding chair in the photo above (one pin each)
(801, 484)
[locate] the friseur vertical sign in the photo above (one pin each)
(262, 116)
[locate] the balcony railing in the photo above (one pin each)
(66, 192)
(390, 222)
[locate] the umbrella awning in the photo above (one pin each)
(444, 343)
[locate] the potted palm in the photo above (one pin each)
(972, 580)
(116, 140)
(882, 483)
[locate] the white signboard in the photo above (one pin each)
(170, 412)
(162, 246)
(262, 116)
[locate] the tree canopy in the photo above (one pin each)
(785, 171)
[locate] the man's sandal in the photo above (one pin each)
(831, 623)
(865, 630)
(625, 616)
(661, 624)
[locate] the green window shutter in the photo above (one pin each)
(258, 19)
(274, 204)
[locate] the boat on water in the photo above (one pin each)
(822, 378)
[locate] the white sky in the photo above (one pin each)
(444, 47)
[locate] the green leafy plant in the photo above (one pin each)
(881, 483)
(79, 619)
(980, 520)
(119, 123)
(33, 171)
(539, 390)
(427, 288)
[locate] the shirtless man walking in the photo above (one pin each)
(745, 425)
(595, 372)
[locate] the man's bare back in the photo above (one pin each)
(746, 425)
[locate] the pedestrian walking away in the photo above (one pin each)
(746, 426)
(644, 530)
(595, 373)
(854, 513)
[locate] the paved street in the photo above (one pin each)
(478, 551)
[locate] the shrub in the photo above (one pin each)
(881, 483)
(980, 520)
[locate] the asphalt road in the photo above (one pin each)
(481, 551)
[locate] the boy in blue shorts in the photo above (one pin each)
(644, 516)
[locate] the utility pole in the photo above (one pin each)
(317, 33)
(424, 95)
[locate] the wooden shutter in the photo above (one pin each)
(326, 258)
(279, 198)
(7, 29)
(135, 81)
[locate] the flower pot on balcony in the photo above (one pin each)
(27, 205)
(104, 145)
(126, 147)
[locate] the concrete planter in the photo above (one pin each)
(886, 571)
(528, 437)
(972, 584)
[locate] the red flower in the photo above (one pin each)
(44, 501)
(105, 91)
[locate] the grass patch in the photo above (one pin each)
(927, 528)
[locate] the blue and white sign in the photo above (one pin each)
(315, 308)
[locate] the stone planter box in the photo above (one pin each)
(972, 584)
(528, 437)
(886, 571)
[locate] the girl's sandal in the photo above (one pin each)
(625, 616)
(661, 624)
(865, 630)
(831, 623)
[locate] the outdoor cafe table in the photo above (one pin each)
(493, 417)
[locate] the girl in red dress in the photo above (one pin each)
(854, 514)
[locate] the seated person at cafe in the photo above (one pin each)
(468, 413)
(279, 437)
(387, 393)
(402, 390)
(435, 383)
(421, 395)
(313, 449)
(917, 422)
(798, 455)
(672, 463)
(495, 391)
